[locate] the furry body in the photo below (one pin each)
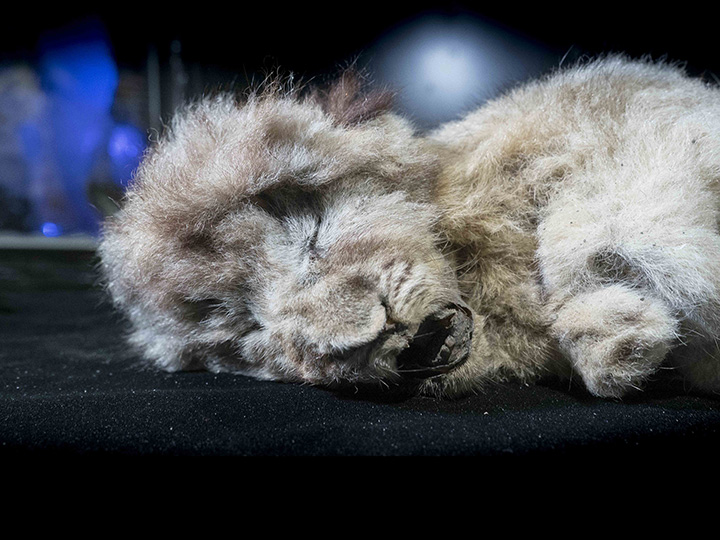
(575, 220)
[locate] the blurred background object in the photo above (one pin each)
(83, 91)
(443, 66)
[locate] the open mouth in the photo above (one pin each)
(441, 344)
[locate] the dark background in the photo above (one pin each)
(226, 43)
(311, 39)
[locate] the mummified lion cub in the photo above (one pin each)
(568, 226)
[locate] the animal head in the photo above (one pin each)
(289, 237)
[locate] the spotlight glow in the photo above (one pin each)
(442, 67)
(448, 67)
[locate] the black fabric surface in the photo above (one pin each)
(70, 385)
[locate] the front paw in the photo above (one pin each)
(615, 337)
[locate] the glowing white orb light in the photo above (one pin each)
(442, 66)
(449, 69)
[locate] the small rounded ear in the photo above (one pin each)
(350, 102)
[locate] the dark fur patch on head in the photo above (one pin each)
(350, 102)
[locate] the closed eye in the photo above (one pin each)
(311, 245)
(200, 309)
(264, 203)
(285, 201)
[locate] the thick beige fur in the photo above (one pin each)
(307, 238)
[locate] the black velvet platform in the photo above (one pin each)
(70, 385)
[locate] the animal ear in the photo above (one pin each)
(349, 102)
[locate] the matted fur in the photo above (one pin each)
(307, 238)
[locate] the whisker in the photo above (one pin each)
(423, 335)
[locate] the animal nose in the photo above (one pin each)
(441, 344)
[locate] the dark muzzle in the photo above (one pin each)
(441, 344)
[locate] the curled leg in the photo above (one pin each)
(629, 268)
(615, 337)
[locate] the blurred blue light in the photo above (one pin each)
(77, 64)
(126, 143)
(125, 148)
(79, 77)
(51, 229)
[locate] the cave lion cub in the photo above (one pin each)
(568, 227)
